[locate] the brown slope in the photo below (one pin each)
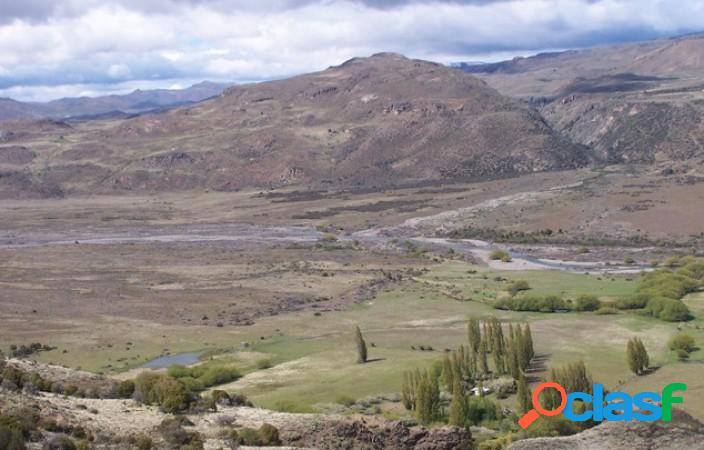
(379, 120)
(547, 74)
(631, 103)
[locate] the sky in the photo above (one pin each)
(58, 48)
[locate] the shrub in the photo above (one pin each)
(220, 397)
(24, 351)
(249, 436)
(664, 283)
(499, 255)
(125, 389)
(203, 376)
(682, 355)
(79, 433)
(481, 409)
(518, 286)
(637, 301)
(12, 434)
(499, 443)
(587, 302)
(345, 400)
(675, 311)
(61, 443)
(218, 375)
(692, 269)
(672, 262)
(682, 342)
(163, 390)
(13, 375)
(263, 364)
(71, 390)
(668, 309)
(553, 427)
(193, 384)
(179, 371)
(547, 304)
(173, 433)
(606, 311)
(664, 288)
(142, 442)
(268, 435)
(329, 237)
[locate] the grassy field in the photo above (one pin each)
(689, 373)
(316, 359)
(313, 356)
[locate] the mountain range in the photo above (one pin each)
(384, 120)
(138, 101)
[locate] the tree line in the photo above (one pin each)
(490, 352)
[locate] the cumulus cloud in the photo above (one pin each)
(47, 46)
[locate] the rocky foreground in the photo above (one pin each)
(113, 423)
(684, 432)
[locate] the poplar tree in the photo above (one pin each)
(361, 346)
(407, 392)
(487, 338)
(644, 359)
(458, 406)
(637, 356)
(474, 334)
(513, 359)
(483, 362)
(427, 399)
(498, 345)
(524, 395)
(524, 352)
(574, 377)
(632, 357)
(448, 371)
(528, 337)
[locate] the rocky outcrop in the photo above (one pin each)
(683, 433)
(381, 435)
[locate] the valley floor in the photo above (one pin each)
(274, 283)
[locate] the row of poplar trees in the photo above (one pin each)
(510, 354)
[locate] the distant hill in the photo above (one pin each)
(371, 121)
(135, 102)
(546, 74)
(639, 102)
(13, 110)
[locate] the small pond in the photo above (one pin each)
(164, 362)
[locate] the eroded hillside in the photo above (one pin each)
(370, 121)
